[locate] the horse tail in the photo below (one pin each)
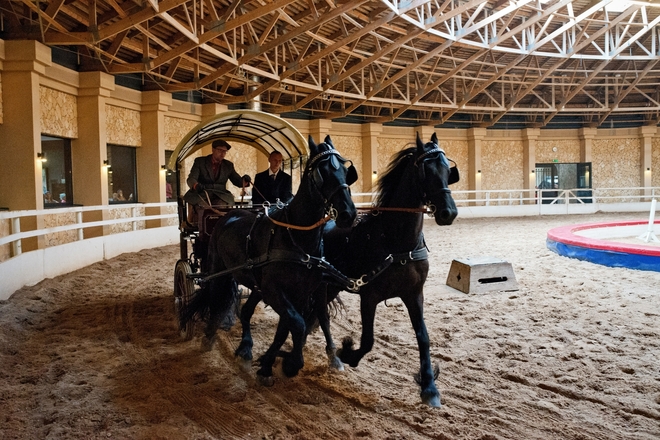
(199, 305)
(336, 307)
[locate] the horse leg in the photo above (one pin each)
(426, 376)
(323, 316)
(293, 361)
(266, 361)
(347, 353)
(222, 294)
(244, 349)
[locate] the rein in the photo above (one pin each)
(378, 208)
(321, 222)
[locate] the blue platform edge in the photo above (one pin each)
(604, 257)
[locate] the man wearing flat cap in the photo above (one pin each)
(208, 179)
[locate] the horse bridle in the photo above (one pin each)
(312, 168)
(453, 172)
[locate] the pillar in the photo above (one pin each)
(151, 155)
(530, 136)
(475, 137)
(586, 136)
(20, 133)
(89, 151)
(370, 133)
(647, 133)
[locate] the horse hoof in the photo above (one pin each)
(336, 364)
(266, 381)
(432, 401)
(244, 365)
(243, 353)
(207, 343)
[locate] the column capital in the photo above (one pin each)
(371, 129)
(156, 100)
(587, 133)
(26, 56)
(531, 134)
(477, 133)
(320, 126)
(211, 109)
(425, 132)
(648, 130)
(96, 84)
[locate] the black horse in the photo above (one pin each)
(277, 254)
(386, 249)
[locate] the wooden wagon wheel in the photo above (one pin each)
(184, 288)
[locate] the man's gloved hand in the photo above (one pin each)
(247, 180)
(200, 187)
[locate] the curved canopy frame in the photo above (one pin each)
(263, 131)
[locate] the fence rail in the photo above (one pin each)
(17, 234)
(501, 197)
(473, 203)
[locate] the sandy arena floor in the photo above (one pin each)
(573, 354)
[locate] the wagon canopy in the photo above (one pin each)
(263, 131)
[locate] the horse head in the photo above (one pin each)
(332, 175)
(436, 175)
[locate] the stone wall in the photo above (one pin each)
(655, 162)
(562, 150)
(457, 150)
(58, 238)
(350, 147)
(616, 164)
(123, 126)
(59, 113)
(125, 212)
(5, 230)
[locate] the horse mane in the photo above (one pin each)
(391, 179)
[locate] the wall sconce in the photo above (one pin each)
(41, 157)
(375, 172)
(648, 169)
(478, 171)
(106, 163)
(533, 171)
(163, 167)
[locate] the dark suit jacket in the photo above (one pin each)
(280, 188)
(202, 172)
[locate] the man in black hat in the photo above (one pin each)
(208, 180)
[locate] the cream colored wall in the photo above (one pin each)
(350, 147)
(457, 150)
(57, 238)
(1, 113)
(568, 150)
(125, 212)
(123, 126)
(655, 162)
(615, 154)
(244, 158)
(616, 164)
(501, 164)
(5, 249)
(59, 113)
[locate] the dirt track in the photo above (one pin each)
(574, 354)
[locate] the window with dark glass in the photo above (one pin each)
(171, 185)
(122, 174)
(552, 177)
(56, 178)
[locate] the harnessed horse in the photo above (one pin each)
(386, 251)
(280, 253)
